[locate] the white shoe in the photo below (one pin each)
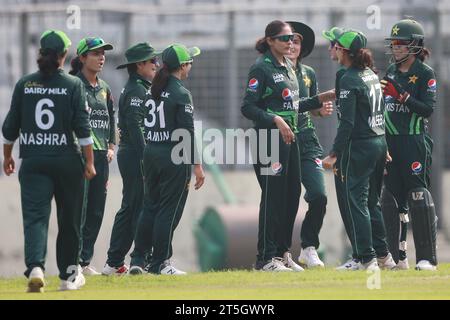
(403, 264)
(171, 270)
(387, 262)
(425, 265)
(289, 263)
(119, 271)
(135, 271)
(275, 265)
(76, 284)
(309, 258)
(350, 265)
(36, 280)
(372, 265)
(90, 271)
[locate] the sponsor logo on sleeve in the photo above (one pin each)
(189, 108)
(277, 167)
(319, 163)
(343, 94)
(253, 84)
(416, 167)
(432, 85)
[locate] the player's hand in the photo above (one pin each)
(327, 109)
(110, 155)
(328, 162)
(394, 89)
(89, 170)
(9, 166)
(388, 157)
(326, 96)
(286, 132)
(199, 176)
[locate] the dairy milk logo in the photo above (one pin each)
(278, 77)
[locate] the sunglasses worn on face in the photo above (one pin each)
(285, 37)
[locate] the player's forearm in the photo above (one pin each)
(88, 153)
(7, 150)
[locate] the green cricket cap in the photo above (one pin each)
(137, 53)
(332, 34)
(92, 43)
(177, 54)
(55, 40)
(352, 40)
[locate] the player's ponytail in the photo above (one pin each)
(424, 54)
(272, 29)
(48, 62)
(160, 81)
(76, 65)
(363, 59)
(261, 45)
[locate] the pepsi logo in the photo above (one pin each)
(277, 167)
(253, 84)
(286, 94)
(416, 167)
(432, 84)
(318, 162)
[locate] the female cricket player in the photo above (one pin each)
(48, 110)
(272, 102)
(142, 66)
(331, 35)
(360, 148)
(409, 89)
(311, 151)
(87, 65)
(169, 122)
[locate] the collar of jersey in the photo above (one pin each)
(86, 82)
(412, 70)
(274, 61)
(136, 76)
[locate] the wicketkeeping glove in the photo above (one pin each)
(394, 89)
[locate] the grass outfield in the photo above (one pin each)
(311, 284)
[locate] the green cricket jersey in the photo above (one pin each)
(308, 87)
(410, 117)
(45, 113)
(132, 111)
(101, 113)
(362, 107)
(174, 110)
(273, 90)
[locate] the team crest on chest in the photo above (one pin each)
(413, 79)
(307, 81)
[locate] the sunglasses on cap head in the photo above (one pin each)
(284, 37)
(89, 44)
(93, 42)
